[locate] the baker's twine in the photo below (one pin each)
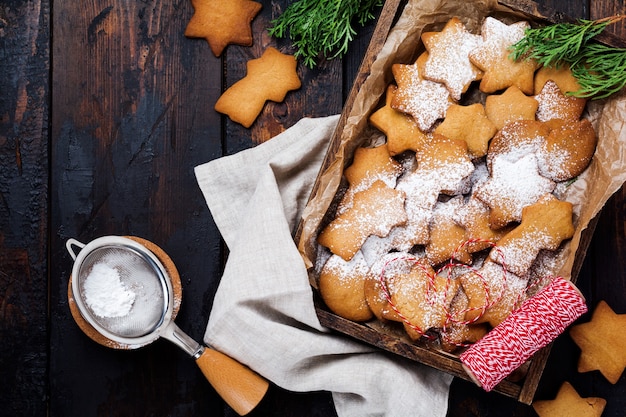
(448, 268)
(532, 324)
(536, 323)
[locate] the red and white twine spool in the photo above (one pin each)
(536, 323)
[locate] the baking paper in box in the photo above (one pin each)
(605, 175)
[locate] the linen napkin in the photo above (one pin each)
(263, 313)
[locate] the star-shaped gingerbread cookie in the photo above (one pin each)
(473, 216)
(269, 77)
(561, 75)
(500, 71)
(569, 403)
(471, 124)
(512, 186)
(401, 129)
(448, 57)
(369, 165)
(545, 224)
(222, 22)
(510, 106)
(553, 104)
(375, 211)
(446, 236)
(602, 342)
(426, 101)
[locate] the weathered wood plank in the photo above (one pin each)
(132, 117)
(24, 88)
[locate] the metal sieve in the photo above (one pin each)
(140, 272)
(124, 292)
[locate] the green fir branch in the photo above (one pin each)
(322, 28)
(599, 69)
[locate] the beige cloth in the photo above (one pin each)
(263, 313)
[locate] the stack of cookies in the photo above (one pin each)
(457, 215)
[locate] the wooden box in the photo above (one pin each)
(523, 383)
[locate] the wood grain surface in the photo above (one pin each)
(105, 109)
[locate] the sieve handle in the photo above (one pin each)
(73, 242)
(238, 385)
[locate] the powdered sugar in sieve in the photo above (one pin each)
(122, 290)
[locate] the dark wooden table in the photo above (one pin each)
(105, 108)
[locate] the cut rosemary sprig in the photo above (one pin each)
(599, 69)
(322, 28)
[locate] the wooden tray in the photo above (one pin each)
(523, 383)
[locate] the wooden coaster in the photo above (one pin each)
(177, 292)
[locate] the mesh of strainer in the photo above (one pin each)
(137, 297)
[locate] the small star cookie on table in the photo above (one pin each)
(269, 77)
(500, 71)
(602, 342)
(569, 403)
(222, 22)
(448, 57)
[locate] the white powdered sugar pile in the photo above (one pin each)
(105, 293)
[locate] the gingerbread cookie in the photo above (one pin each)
(473, 217)
(448, 159)
(510, 106)
(569, 403)
(369, 165)
(492, 57)
(342, 287)
(269, 77)
(375, 211)
(511, 187)
(426, 101)
(471, 124)
(545, 224)
(561, 75)
(423, 298)
(441, 168)
(492, 292)
(222, 22)
(568, 149)
(401, 130)
(446, 236)
(554, 104)
(448, 57)
(517, 139)
(384, 270)
(602, 342)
